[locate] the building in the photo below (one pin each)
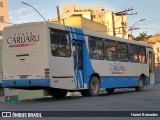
(81, 22)
(154, 39)
(115, 22)
(95, 14)
(4, 16)
(156, 47)
(155, 42)
(4, 19)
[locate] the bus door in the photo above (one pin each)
(78, 63)
(151, 68)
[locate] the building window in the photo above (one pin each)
(96, 48)
(158, 59)
(1, 4)
(157, 50)
(60, 44)
(1, 18)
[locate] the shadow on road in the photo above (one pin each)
(157, 74)
(123, 91)
(51, 99)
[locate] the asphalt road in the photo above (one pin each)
(121, 100)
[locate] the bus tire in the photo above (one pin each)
(94, 86)
(59, 93)
(141, 84)
(110, 90)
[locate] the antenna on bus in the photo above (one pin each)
(35, 10)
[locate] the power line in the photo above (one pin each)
(151, 28)
(152, 21)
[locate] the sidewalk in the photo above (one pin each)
(2, 99)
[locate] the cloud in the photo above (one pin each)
(24, 15)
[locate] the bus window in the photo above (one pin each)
(133, 53)
(96, 49)
(142, 55)
(110, 50)
(122, 52)
(60, 44)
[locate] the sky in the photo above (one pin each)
(146, 9)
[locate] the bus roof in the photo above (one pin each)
(86, 32)
(105, 36)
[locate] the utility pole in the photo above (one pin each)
(113, 23)
(122, 13)
(59, 19)
(123, 25)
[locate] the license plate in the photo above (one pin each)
(23, 77)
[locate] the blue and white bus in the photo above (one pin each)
(59, 59)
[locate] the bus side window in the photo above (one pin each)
(133, 53)
(96, 49)
(110, 50)
(122, 52)
(60, 44)
(142, 55)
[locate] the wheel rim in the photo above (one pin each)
(141, 85)
(94, 86)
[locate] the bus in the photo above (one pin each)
(58, 59)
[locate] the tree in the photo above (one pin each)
(143, 37)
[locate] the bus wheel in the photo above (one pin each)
(59, 93)
(141, 84)
(110, 90)
(94, 86)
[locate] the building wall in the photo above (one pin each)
(108, 22)
(97, 14)
(91, 13)
(4, 15)
(118, 24)
(156, 48)
(80, 22)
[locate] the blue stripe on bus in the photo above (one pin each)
(121, 81)
(73, 37)
(88, 70)
(26, 83)
(80, 73)
(106, 82)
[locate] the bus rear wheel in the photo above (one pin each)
(110, 90)
(59, 93)
(141, 84)
(94, 86)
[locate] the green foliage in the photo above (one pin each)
(142, 37)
